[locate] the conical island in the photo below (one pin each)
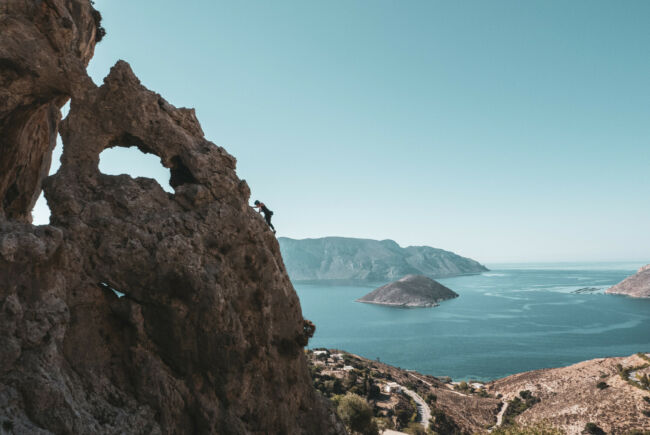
(410, 291)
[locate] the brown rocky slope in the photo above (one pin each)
(208, 337)
(592, 391)
(611, 393)
(636, 286)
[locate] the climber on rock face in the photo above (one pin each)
(261, 208)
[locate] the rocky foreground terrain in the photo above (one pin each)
(342, 258)
(606, 391)
(607, 394)
(410, 291)
(458, 411)
(636, 286)
(208, 335)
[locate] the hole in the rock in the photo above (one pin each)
(180, 173)
(41, 211)
(131, 161)
(105, 286)
(65, 109)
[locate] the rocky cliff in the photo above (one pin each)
(44, 49)
(208, 336)
(637, 285)
(410, 291)
(341, 258)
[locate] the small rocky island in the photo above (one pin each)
(636, 286)
(410, 291)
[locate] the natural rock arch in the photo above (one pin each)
(112, 162)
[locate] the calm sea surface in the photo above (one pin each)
(512, 319)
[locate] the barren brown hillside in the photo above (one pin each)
(570, 397)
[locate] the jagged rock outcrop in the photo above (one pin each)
(410, 291)
(636, 286)
(208, 336)
(345, 258)
(44, 49)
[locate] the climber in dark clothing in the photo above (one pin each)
(267, 213)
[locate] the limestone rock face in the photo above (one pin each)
(208, 335)
(44, 49)
(410, 291)
(636, 286)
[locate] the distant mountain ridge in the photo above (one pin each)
(343, 258)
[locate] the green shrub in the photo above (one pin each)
(384, 423)
(601, 385)
(411, 386)
(442, 424)
(350, 380)
(516, 406)
(374, 392)
(414, 407)
(100, 32)
(356, 414)
(463, 386)
(643, 356)
(645, 381)
(415, 429)
(403, 416)
(333, 386)
(541, 428)
(594, 429)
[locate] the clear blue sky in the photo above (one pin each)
(501, 130)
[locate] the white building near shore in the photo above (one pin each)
(392, 387)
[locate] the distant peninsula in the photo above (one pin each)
(342, 258)
(636, 286)
(410, 291)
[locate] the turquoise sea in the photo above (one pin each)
(511, 319)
